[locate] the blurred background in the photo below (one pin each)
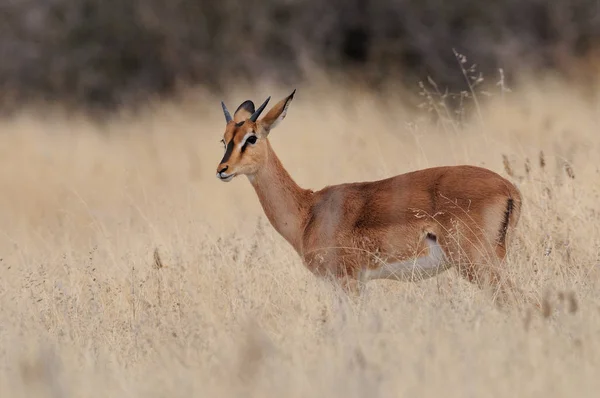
(106, 54)
(122, 256)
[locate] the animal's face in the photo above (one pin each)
(245, 149)
(245, 138)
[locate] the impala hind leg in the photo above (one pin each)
(483, 265)
(488, 277)
(490, 273)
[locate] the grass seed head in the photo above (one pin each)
(542, 160)
(507, 166)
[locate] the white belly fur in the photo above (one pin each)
(414, 269)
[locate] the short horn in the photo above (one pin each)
(256, 114)
(228, 117)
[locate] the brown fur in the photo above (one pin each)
(344, 229)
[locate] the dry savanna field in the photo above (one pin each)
(129, 270)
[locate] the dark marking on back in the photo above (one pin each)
(366, 219)
(434, 192)
(504, 225)
(228, 151)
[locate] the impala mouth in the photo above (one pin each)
(225, 177)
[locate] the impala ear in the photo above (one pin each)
(244, 111)
(275, 115)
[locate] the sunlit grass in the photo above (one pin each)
(129, 270)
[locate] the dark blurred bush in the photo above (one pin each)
(103, 53)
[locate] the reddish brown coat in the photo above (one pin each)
(347, 230)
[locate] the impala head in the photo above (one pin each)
(245, 138)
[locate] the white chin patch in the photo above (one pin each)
(225, 178)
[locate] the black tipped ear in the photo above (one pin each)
(276, 114)
(244, 111)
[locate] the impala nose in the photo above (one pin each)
(221, 175)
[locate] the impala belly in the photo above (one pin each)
(414, 269)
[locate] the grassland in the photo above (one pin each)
(128, 270)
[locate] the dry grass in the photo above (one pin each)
(127, 269)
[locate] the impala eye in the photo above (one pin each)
(224, 145)
(251, 140)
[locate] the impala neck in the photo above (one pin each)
(285, 204)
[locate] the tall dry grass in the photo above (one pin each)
(127, 269)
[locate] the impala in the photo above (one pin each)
(409, 227)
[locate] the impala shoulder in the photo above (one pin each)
(332, 198)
